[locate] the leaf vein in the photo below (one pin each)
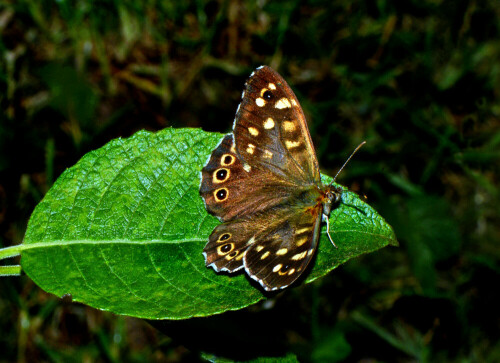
(127, 286)
(170, 282)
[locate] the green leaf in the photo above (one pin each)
(123, 230)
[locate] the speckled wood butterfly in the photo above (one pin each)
(263, 182)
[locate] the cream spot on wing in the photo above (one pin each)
(283, 103)
(289, 126)
(282, 251)
(265, 255)
(300, 242)
(299, 256)
(291, 271)
(291, 144)
(247, 167)
(269, 123)
(253, 131)
(250, 148)
(277, 267)
(268, 154)
(271, 86)
(302, 230)
(259, 248)
(251, 241)
(310, 252)
(294, 102)
(260, 102)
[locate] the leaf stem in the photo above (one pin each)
(11, 251)
(14, 270)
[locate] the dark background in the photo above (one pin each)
(419, 80)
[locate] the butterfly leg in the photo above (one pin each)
(326, 219)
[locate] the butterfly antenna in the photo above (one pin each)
(349, 158)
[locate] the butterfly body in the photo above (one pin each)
(263, 182)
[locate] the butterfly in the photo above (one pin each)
(263, 182)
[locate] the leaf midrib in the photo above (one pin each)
(33, 245)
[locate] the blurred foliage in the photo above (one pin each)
(419, 80)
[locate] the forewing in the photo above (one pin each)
(271, 131)
(232, 189)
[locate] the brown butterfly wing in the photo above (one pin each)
(271, 130)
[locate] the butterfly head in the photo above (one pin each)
(332, 196)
